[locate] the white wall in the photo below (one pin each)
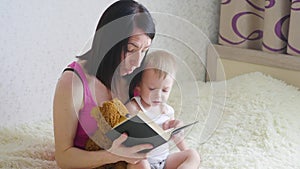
(202, 13)
(185, 28)
(39, 38)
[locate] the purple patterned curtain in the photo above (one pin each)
(294, 30)
(268, 25)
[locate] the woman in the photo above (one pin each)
(123, 35)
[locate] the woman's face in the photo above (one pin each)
(138, 44)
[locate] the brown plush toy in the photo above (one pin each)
(109, 115)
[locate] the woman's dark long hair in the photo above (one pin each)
(113, 31)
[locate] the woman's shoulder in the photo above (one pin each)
(70, 74)
(68, 78)
(69, 84)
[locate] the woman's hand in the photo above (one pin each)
(129, 154)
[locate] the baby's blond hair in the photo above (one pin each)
(162, 62)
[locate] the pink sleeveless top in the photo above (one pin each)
(87, 124)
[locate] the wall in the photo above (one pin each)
(38, 39)
(185, 28)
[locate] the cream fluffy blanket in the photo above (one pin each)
(259, 128)
(28, 145)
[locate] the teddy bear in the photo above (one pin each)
(110, 114)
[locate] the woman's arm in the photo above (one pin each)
(67, 103)
(68, 100)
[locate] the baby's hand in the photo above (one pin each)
(177, 138)
(172, 124)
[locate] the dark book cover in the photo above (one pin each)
(141, 129)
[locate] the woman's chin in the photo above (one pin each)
(126, 72)
(123, 74)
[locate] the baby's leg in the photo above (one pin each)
(184, 159)
(144, 164)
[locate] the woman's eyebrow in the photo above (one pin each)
(135, 45)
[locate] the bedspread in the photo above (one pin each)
(259, 127)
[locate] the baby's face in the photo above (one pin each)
(155, 90)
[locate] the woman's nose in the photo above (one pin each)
(136, 61)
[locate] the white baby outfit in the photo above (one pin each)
(157, 157)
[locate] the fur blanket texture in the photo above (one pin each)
(258, 127)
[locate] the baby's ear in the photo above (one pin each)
(137, 91)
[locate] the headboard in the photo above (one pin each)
(225, 62)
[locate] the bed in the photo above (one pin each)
(249, 116)
(259, 127)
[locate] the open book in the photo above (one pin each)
(141, 129)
